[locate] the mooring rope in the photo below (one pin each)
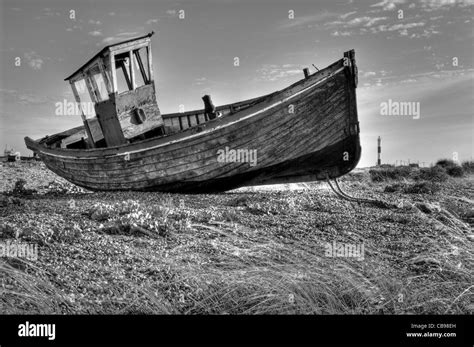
(340, 193)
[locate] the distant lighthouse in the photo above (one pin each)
(379, 149)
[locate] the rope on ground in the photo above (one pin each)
(340, 193)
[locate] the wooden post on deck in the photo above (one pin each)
(114, 73)
(83, 116)
(107, 83)
(126, 74)
(139, 61)
(131, 58)
(209, 108)
(90, 88)
(95, 87)
(306, 72)
(150, 63)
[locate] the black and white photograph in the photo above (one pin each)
(218, 162)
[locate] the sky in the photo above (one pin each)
(418, 52)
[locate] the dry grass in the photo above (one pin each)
(242, 252)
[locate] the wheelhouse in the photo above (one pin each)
(118, 83)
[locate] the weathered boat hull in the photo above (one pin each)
(308, 168)
(306, 132)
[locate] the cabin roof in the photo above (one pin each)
(105, 49)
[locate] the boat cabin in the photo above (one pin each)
(115, 92)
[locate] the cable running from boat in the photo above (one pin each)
(340, 193)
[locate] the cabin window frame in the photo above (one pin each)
(140, 65)
(88, 74)
(77, 95)
(134, 59)
(123, 62)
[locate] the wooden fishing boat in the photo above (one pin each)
(308, 131)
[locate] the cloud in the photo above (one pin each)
(152, 21)
(109, 39)
(117, 38)
(369, 21)
(95, 33)
(49, 12)
(388, 5)
(200, 81)
(17, 97)
(445, 75)
(403, 32)
(376, 78)
(68, 94)
(273, 72)
(366, 21)
(34, 60)
(111, 13)
(98, 22)
(345, 15)
(171, 12)
(307, 20)
(341, 33)
(405, 26)
(426, 33)
(74, 27)
(367, 24)
(437, 4)
(128, 33)
(369, 74)
(402, 28)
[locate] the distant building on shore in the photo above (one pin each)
(9, 154)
